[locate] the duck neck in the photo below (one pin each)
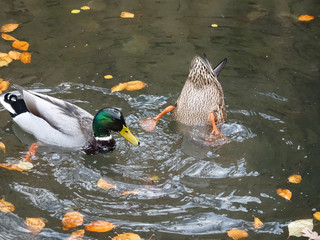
(100, 144)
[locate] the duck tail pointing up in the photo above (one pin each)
(216, 71)
(219, 67)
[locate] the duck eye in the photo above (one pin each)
(11, 97)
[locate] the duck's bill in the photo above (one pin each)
(125, 132)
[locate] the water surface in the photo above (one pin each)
(271, 86)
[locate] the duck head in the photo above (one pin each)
(111, 119)
(201, 72)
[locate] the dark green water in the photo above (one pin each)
(271, 85)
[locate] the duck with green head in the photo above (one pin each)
(55, 122)
(201, 101)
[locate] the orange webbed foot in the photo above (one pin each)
(31, 152)
(216, 137)
(215, 140)
(148, 124)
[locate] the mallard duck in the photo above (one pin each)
(59, 123)
(201, 101)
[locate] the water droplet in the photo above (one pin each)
(55, 156)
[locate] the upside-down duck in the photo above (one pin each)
(201, 101)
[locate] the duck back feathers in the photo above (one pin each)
(61, 115)
(201, 95)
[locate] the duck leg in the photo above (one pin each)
(31, 152)
(214, 127)
(149, 124)
(215, 134)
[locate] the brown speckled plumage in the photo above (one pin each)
(201, 95)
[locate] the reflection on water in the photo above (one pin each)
(183, 189)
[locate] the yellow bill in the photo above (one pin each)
(125, 132)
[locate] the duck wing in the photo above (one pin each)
(63, 116)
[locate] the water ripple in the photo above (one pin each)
(211, 223)
(148, 101)
(270, 117)
(207, 169)
(237, 132)
(274, 96)
(220, 202)
(43, 198)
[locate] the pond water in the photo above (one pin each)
(271, 86)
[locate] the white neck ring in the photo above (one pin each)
(108, 138)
